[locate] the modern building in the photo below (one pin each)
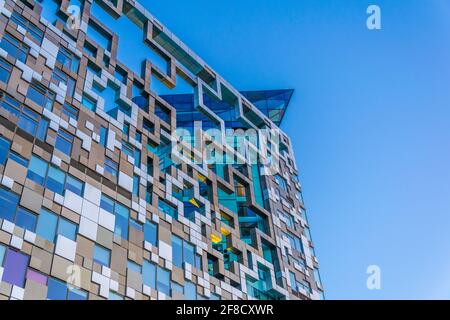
(102, 198)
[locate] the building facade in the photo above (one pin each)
(129, 169)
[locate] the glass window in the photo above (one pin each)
(19, 159)
(137, 157)
(55, 180)
(126, 128)
(107, 203)
(127, 148)
(122, 214)
(15, 268)
(151, 232)
(149, 274)
(136, 185)
(14, 47)
(293, 281)
(67, 229)
(134, 267)
(190, 291)
(41, 96)
(317, 276)
(167, 208)
(163, 281)
(74, 185)
(111, 167)
(177, 251)
(11, 105)
(26, 219)
(103, 136)
(295, 242)
(136, 225)
(121, 75)
(5, 70)
(70, 111)
(27, 119)
(281, 182)
(176, 287)
(70, 87)
(37, 170)
(68, 59)
(182, 251)
(46, 225)
(57, 290)
(288, 219)
(147, 125)
(102, 255)
(4, 149)
(2, 254)
(114, 296)
(188, 253)
(59, 76)
(148, 194)
(214, 297)
(64, 141)
(34, 31)
(76, 294)
(198, 261)
(8, 204)
(42, 129)
(89, 103)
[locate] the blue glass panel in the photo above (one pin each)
(103, 136)
(74, 185)
(189, 253)
(134, 266)
(55, 180)
(121, 228)
(89, 103)
(37, 170)
(4, 149)
(163, 281)
(26, 219)
(8, 204)
(114, 296)
(121, 210)
(46, 225)
(151, 232)
(42, 130)
(57, 290)
(67, 229)
(64, 142)
(27, 123)
(102, 255)
(19, 159)
(177, 251)
(107, 203)
(76, 294)
(149, 274)
(136, 185)
(2, 254)
(190, 292)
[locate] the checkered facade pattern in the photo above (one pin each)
(94, 204)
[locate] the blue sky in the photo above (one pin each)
(369, 120)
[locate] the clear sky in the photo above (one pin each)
(369, 119)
